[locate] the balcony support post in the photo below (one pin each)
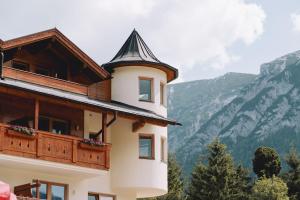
(36, 114)
(104, 127)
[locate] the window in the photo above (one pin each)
(42, 71)
(146, 87)
(146, 146)
(51, 191)
(95, 196)
(163, 149)
(59, 126)
(20, 65)
(53, 125)
(162, 94)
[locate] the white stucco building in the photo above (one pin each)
(72, 129)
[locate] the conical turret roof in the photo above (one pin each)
(136, 52)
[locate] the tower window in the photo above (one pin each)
(146, 89)
(146, 146)
(163, 149)
(162, 94)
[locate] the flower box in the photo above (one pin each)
(92, 147)
(20, 134)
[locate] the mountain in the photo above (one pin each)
(193, 103)
(265, 111)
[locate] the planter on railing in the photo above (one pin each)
(102, 147)
(92, 144)
(23, 132)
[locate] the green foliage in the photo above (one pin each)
(175, 183)
(292, 177)
(219, 179)
(270, 189)
(241, 184)
(266, 162)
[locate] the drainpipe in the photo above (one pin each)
(107, 125)
(1, 64)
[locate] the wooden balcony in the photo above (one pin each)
(55, 148)
(45, 80)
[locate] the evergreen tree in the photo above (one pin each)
(218, 180)
(270, 189)
(292, 177)
(266, 162)
(175, 183)
(241, 184)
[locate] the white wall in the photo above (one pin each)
(78, 186)
(125, 87)
(129, 173)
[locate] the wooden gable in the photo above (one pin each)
(49, 50)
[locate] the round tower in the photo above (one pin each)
(139, 80)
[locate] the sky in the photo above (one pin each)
(202, 38)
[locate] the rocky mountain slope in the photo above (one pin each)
(266, 111)
(193, 103)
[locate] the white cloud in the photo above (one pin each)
(193, 34)
(199, 32)
(295, 21)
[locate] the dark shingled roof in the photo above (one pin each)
(136, 52)
(135, 49)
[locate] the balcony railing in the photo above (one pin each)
(45, 80)
(55, 148)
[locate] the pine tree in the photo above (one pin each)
(175, 183)
(292, 177)
(219, 179)
(266, 162)
(241, 184)
(270, 189)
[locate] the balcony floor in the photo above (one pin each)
(42, 166)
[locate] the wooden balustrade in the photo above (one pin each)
(55, 148)
(45, 80)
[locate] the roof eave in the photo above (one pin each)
(111, 65)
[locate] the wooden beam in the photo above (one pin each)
(104, 127)
(138, 125)
(36, 114)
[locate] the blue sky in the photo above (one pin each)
(203, 38)
(278, 37)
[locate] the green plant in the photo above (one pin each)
(270, 189)
(266, 162)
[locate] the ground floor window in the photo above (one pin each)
(51, 191)
(96, 196)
